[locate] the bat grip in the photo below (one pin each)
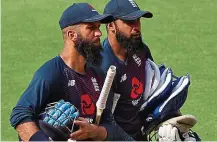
(101, 103)
(98, 115)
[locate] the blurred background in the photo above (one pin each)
(182, 34)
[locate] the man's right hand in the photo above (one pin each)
(28, 131)
(169, 133)
(88, 131)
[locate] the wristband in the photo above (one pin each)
(39, 136)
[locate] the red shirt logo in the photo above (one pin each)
(87, 105)
(137, 88)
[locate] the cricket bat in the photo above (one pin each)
(101, 103)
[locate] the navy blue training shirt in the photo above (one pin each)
(54, 81)
(129, 83)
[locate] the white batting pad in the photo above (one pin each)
(162, 90)
(152, 78)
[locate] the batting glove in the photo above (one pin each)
(168, 133)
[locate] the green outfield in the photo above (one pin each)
(182, 34)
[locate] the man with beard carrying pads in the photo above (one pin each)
(69, 77)
(124, 48)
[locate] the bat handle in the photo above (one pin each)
(98, 115)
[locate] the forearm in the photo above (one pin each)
(26, 130)
(113, 130)
(116, 133)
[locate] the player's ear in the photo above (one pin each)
(72, 34)
(111, 27)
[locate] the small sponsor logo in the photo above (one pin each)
(123, 77)
(90, 120)
(71, 83)
(135, 102)
(91, 7)
(148, 119)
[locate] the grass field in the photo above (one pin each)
(182, 34)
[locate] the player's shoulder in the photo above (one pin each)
(108, 56)
(107, 50)
(146, 51)
(97, 71)
(144, 47)
(50, 70)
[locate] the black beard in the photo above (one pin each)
(131, 44)
(89, 50)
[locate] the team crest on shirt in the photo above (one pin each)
(95, 84)
(137, 60)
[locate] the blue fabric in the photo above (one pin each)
(82, 12)
(39, 136)
(174, 104)
(45, 83)
(125, 10)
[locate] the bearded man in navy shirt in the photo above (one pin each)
(72, 77)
